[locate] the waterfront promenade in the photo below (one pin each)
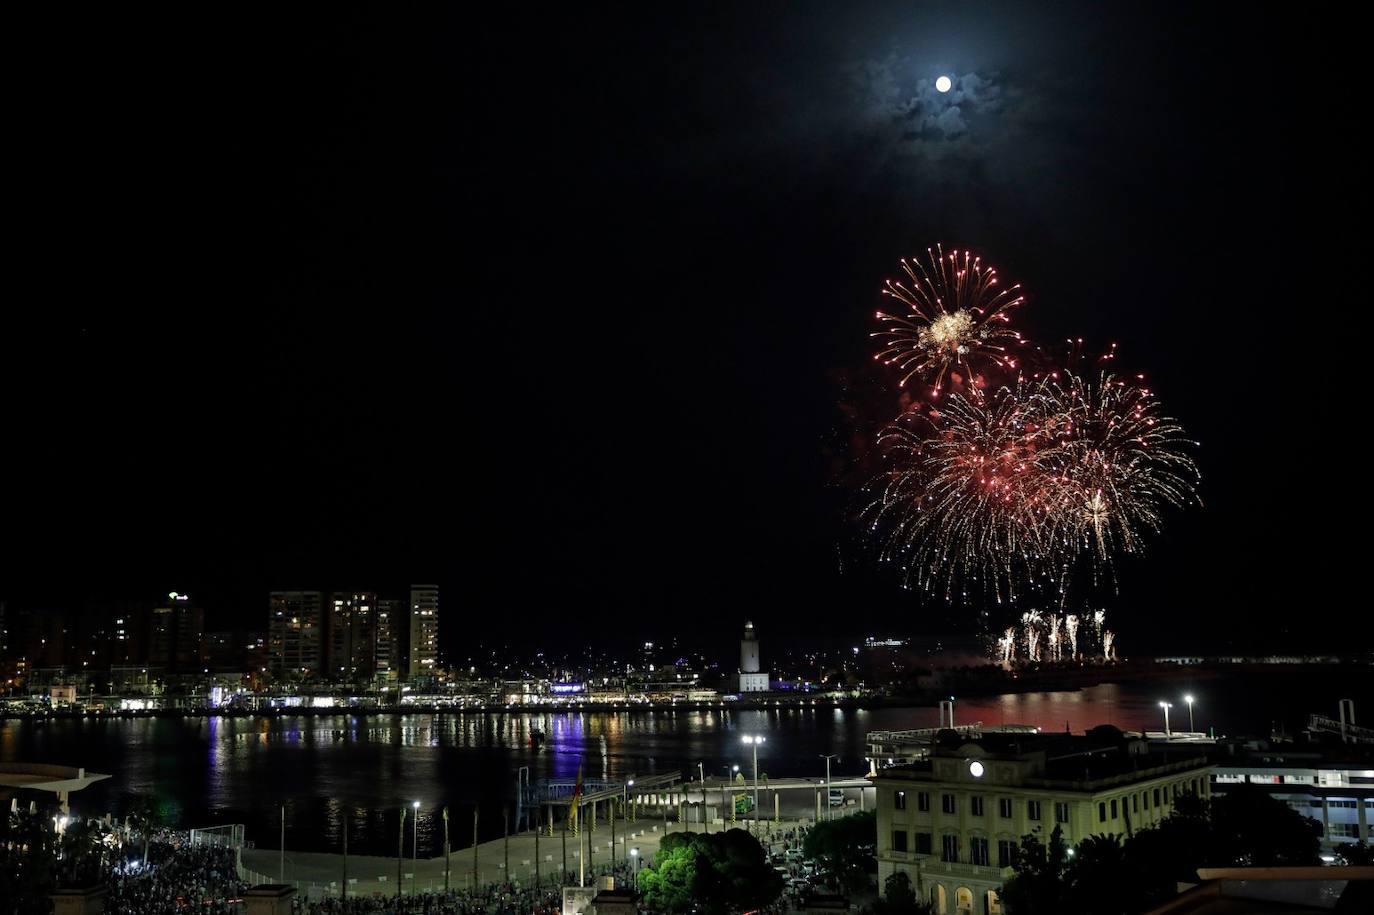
(318, 874)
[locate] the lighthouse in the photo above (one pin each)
(751, 678)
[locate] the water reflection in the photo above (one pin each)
(365, 768)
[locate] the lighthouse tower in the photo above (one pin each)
(751, 678)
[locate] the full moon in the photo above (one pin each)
(943, 83)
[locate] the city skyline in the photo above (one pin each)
(359, 386)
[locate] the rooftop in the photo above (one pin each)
(1104, 753)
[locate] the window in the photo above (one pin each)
(1156, 797)
(923, 801)
(1006, 852)
(1113, 808)
(1343, 830)
(976, 805)
(923, 843)
(899, 840)
(1135, 803)
(978, 851)
(1101, 811)
(1061, 812)
(1175, 790)
(899, 800)
(1033, 810)
(1194, 784)
(947, 803)
(1004, 807)
(949, 850)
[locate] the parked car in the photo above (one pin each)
(836, 797)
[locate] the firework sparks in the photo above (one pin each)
(1021, 487)
(957, 317)
(1053, 637)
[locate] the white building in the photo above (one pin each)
(424, 631)
(1333, 785)
(953, 821)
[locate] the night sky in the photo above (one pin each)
(561, 309)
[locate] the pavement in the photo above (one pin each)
(316, 874)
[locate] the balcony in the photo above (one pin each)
(932, 866)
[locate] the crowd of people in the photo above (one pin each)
(178, 878)
(159, 871)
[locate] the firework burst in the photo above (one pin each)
(956, 316)
(1025, 486)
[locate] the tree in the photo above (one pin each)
(1251, 828)
(899, 897)
(713, 873)
(1243, 828)
(668, 884)
(844, 849)
(1038, 887)
(28, 862)
(1095, 875)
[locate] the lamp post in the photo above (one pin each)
(415, 848)
(705, 822)
(829, 812)
(1189, 699)
(727, 793)
(634, 855)
(400, 855)
(1166, 706)
(754, 742)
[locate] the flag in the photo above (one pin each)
(576, 801)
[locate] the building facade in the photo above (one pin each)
(393, 628)
(424, 631)
(295, 633)
(1333, 785)
(953, 821)
(351, 637)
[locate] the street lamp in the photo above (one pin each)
(634, 853)
(727, 798)
(1189, 699)
(415, 848)
(1166, 706)
(701, 771)
(754, 743)
(829, 811)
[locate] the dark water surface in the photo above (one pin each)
(210, 771)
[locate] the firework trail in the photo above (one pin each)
(1071, 631)
(1007, 645)
(1108, 645)
(1052, 637)
(956, 317)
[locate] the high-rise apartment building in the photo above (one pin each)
(295, 632)
(424, 631)
(176, 635)
(351, 635)
(393, 633)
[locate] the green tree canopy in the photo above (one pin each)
(714, 873)
(844, 849)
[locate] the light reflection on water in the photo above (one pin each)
(365, 768)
